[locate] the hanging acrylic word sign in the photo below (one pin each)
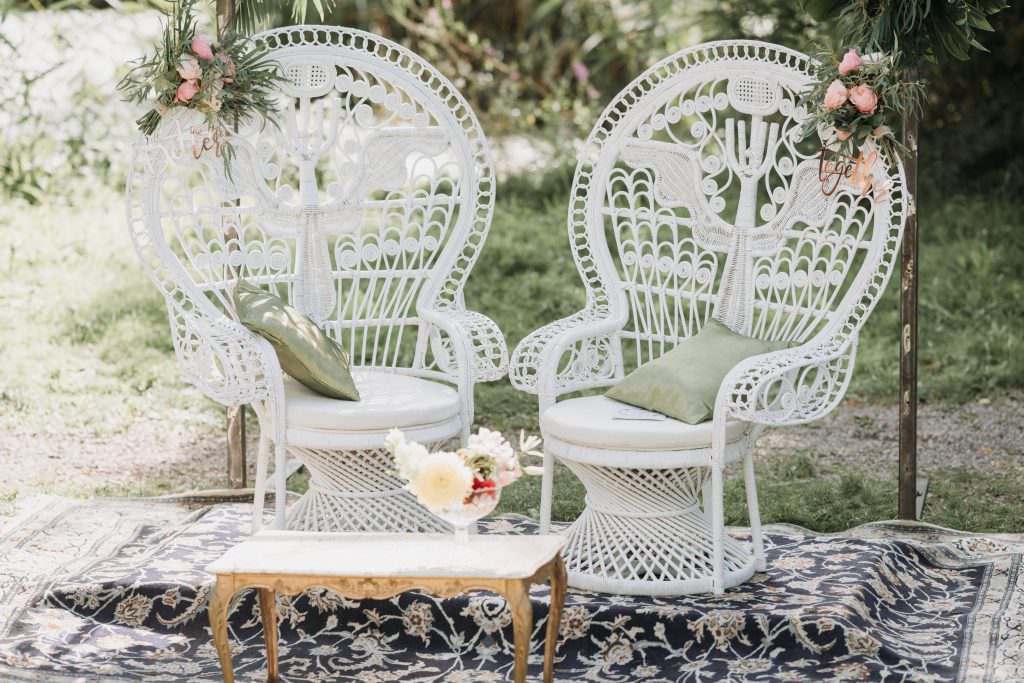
(184, 134)
(834, 167)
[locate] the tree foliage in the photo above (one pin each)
(914, 30)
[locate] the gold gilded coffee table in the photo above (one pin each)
(380, 566)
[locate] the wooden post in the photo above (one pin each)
(235, 414)
(908, 335)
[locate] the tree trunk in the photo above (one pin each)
(908, 335)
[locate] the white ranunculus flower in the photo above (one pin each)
(442, 480)
(492, 443)
(394, 437)
(409, 455)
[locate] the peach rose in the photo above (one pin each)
(189, 69)
(835, 96)
(851, 62)
(864, 98)
(843, 135)
(186, 91)
(201, 46)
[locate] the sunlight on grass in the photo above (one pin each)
(83, 332)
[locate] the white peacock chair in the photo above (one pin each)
(366, 207)
(694, 198)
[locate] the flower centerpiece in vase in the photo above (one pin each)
(198, 89)
(464, 485)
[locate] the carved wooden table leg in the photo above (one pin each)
(518, 593)
(558, 581)
(354, 567)
(268, 613)
(218, 608)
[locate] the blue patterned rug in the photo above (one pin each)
(115, 591)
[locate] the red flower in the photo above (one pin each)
(483, 484)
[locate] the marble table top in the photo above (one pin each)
(490, 556)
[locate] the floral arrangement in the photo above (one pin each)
(858, 97)
(228, 82)
(472, 475)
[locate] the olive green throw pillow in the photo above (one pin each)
(684, 382)
(303, 349)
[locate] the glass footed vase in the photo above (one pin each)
(479, 504)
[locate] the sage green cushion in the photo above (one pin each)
(684, 382)
(303, 349)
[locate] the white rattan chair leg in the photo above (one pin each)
(260, 487)
(280, 494)
(756, 536)
(546, 491)
(717, 519)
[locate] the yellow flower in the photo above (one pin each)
(442, 480)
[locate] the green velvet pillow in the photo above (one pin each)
(684, 382)
(303, 349)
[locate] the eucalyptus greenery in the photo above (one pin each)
(232, 81)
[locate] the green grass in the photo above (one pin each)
(826, 499)
(83, 333)
(85, 342)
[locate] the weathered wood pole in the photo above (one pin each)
(909, 266)
(235, 414)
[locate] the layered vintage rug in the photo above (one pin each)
(115, 591)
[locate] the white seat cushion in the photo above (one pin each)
(386, 400)
(590, 421)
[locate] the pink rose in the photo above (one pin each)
(835, 96)
(864, 98)
(189, 69)
(851, 62)
(186, 91)
(201, 46)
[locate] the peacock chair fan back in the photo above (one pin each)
(695, 197)
(369, 199)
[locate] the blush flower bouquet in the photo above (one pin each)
(859, 97)
(462, 486)
(228, 82)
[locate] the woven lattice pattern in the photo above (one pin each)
(357, 491)
(643, 532)
(365, 207)
(695, 197)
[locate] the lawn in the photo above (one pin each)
(86, 348)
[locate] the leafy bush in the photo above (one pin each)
(56, 127)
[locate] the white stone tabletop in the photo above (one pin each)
(490, 556)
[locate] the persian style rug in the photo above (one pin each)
(115, 591)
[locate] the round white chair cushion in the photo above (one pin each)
(591, 421)
(386, 400)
